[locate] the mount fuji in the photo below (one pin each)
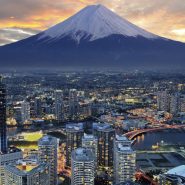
(95, 37)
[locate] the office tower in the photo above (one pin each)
(38, 107)
(124, 160)
(48, 153)
(163, 101)
(59, 105)
(105, 134)
(83, 167)
(11, 156)
(174, 103)
(3, 135)
(182, 103)
(91, 142)
(18, 115)
(73, 104)
(25, 112)
(27, 172)
(74, 133)
(123, 140)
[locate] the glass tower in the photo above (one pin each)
(3, 135)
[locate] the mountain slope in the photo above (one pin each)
(95, 21)
(94, 37)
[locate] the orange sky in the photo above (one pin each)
(26, 17)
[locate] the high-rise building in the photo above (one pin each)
(74, 134)
(83, 167)
(59, 105)
(73, 104)
(3, 135)
(38, 107)
(163, 101)
(91, 142)
(182, 103)
(174, 103)
(105, 134)
(18, 115)
(48, 153)
(122, 139)
(27, 172)
(7, 155)
(124, 160)
(11, 156)
(169, 102)
(25, 112)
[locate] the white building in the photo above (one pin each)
(48, 153)
(83, 167)
(27, 172)
(25, 112)
(91, 142)
(10, 157)
(124, 160)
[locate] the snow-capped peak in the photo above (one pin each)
(95, 21)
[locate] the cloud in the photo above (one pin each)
(8, 35)
(160, 16)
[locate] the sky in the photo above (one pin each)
(23, 18)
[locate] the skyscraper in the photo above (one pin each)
(74, 133)
(91, 142)
(163, 101)
(174, 103)
(124, 160)
(25, 112)
(38, 107)
(48, 153)
(27, 172)
(59, 106)
(73, 104)
(11, 156)
(105, 134)
(3, 135)
(83, 167)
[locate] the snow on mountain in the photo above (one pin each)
(95, 22)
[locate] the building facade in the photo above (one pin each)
(48, 147)
(124, 160)
(83, 167)
(59, 106)
(74, 133)
(11, 156)
(27, 172)
(105, 135)
(3, 134)
(91, 142)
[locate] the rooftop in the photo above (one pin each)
(123, 148)
(88, 137)
(82, 154)
(47, 140)
(74, 127)
(26, 167)
(179, 170)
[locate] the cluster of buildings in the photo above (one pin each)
(54, 106)
(101, 155)
(16, 170)
(87, 156)
(172, 102)
(95, 155)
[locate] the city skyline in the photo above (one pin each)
(23, 19)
